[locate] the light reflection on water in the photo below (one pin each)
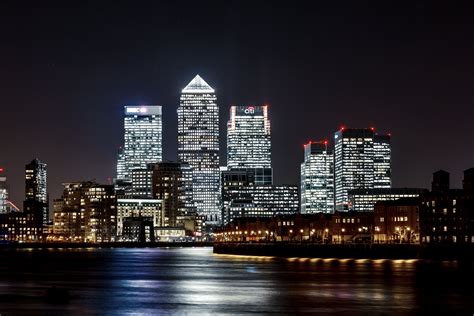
(195, 281)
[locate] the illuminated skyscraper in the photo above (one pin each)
(317, 178)
(248, 138)
(198, 145)
(3, 193)
(362, 161)
(382, 162)
(36, 186)
(142, 139)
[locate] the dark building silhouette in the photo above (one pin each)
(468, 182)
(447, 215)
(440, 181)
(36, 190)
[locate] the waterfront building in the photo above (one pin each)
(138, 229)
(198, 145)
(248, 138)
(363, 200)
(26, 226)
(361, 161)
(242, 197)
(86, 211)
(36, 187)
(283, 227)
(397, 221)
(172, 182)
(317, 178)
(138, 211)
(142, 139)
(447, 215)
(351, 227)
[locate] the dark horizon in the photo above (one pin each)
(68, 70)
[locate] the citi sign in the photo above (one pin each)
(250, 110)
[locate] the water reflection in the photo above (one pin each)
(194, 281)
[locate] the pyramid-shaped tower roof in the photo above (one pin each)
(198, 85)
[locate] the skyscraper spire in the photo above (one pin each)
(198, 85)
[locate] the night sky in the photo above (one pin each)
(67, 69)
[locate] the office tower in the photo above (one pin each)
(172, 183)
(242, 197)
(382, 162)
(317, 178)
(361, 161)
(3, 193)
(142, 139)
(36, 190)
(86, 211)
(198, 145)
(248, 138)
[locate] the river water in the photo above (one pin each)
(193, 281)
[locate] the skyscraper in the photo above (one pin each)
(36, 187)
(198, 145)
(317, 178)
(362, 161)
(248, 138)
(3, 193)
(382, 162)
(142, 139)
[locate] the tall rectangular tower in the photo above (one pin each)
(382, 162)
(353, 163)
(3, 193)
(317, 178)
(198, 145)
(142, 139)
(248, 138)
(36, 186)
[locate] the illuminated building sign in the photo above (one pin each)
(136, 110)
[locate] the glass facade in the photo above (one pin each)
(198, 145)
(363, 200)
(382, 162)
(142, 139)
(361, 161)
(317, 178)
(3, 195)
(36, 186)
(242, 197)
(248, 138)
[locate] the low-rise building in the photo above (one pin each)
(363, 200)
(397, 221)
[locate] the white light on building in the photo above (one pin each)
(248, 138)
(317, 178)
(362, 161)
(198, 145)
(142, 139)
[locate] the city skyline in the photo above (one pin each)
(335, 73)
